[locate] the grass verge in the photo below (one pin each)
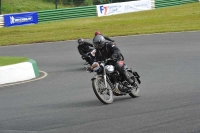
(16, 6)
(7, 60)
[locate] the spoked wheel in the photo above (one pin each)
(135, 92)
(105, 95)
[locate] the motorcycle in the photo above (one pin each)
(91, 55)
(107, 82)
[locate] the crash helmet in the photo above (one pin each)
(97, 33)
(98, 41)
(80, 41)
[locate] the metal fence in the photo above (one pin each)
(66, 13)
(166, 3)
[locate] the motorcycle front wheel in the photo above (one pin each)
(105, 95)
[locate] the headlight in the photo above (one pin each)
(109, 68)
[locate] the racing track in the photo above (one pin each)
(64, 101)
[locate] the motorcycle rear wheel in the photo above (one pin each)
(105, 95)
(135, 92)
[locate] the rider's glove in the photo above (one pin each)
(85, 56)
(114, 57)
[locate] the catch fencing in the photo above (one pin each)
(166, 3)
(1, 21)
(66, 13)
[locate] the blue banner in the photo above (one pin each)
(20, 19)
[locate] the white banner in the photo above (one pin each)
(124, 7)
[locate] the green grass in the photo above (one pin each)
(7, 60)
(171, 19)
(15, 6)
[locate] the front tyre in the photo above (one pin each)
(105, 95)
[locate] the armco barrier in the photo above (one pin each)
(66, 13)
(1, 21)
(166, 3)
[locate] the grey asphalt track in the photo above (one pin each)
(64, 102)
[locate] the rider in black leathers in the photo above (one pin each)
(107, 38)
(105, 50)
(84, 48)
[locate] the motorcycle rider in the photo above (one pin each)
(84, 49)
(105, 50)
(107, 38)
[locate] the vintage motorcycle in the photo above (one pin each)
(91, 57)
(107, 82)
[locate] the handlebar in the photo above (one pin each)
(109, 59)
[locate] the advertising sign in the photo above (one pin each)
(20, 19)
(124, 7)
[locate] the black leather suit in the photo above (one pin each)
(109, 50)
(107, 38)
(84, 49)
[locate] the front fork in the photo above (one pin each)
(104, 77)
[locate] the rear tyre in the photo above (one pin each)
(135, 92)
(105, 95)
